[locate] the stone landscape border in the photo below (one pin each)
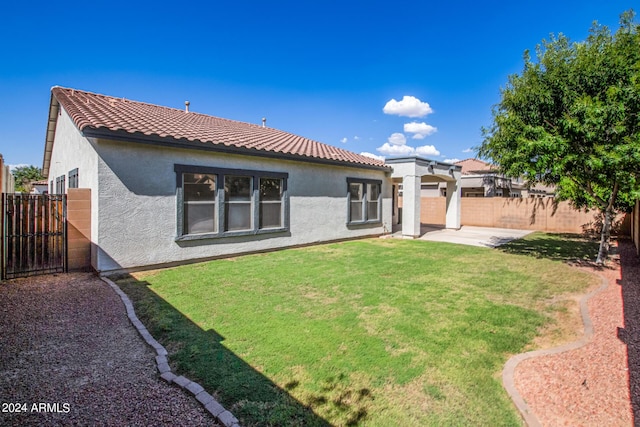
(508, 381)
(225, 417)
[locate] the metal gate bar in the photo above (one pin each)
(35, 234)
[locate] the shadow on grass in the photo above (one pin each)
(201, 356)
(574, 248)
(630, 334)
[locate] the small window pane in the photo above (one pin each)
(73, 178)
(356, 191)
(372, 211)
(355, 208)
(199, 187)
(237, 188)
(356, 211)
(373, 191)
(270, 215)
(373, 194)
(270, 203)
(270, 189)
(199, 194)
(237, 194)
(199, 218)
(237, 216)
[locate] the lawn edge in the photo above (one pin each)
(209, 403)
(508, 371)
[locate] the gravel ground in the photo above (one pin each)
(590, 386)
(66, 341)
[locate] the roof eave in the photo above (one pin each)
(54, 109)
(122, 135)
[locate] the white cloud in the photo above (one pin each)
(373, 156)
(468, 150)
(344, 140)
(427, 150)
(397, 139)
(356, 138)
(454, 160)
(395, 150)
(420, 130)
(410, 106)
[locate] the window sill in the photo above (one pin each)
(359, 223)
(227, 234)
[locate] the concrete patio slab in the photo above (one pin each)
(468, 235)
(475, 236)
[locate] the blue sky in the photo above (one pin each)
(324, 70)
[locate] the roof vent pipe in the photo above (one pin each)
(264, 122)
(186, 106)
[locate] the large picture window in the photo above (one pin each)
(364, 198)
(218, 202)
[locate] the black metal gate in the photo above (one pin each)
(34, 238)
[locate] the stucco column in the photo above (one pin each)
(453, 205)
(411, 206)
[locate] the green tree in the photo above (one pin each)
(24, 175)
(571, 120)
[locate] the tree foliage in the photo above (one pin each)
(24, 175)
(571, 120)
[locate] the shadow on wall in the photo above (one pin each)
(630, 334)
(621, 226)
(538, 203)
(200, 356)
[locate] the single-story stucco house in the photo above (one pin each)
(40, 187)
(171, 185)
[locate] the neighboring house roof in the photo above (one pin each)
(474, 167)
(119, 118)
(42, 182)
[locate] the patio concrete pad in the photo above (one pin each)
(473, 236)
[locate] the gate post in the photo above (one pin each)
(79, 229)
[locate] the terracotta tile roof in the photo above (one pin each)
(474, 166)
(94, 112)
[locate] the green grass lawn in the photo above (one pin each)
(373, 332)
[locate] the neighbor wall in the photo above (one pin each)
(516, 213)
(528, 214)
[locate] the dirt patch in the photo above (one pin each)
(589, 386)
(67, 342)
